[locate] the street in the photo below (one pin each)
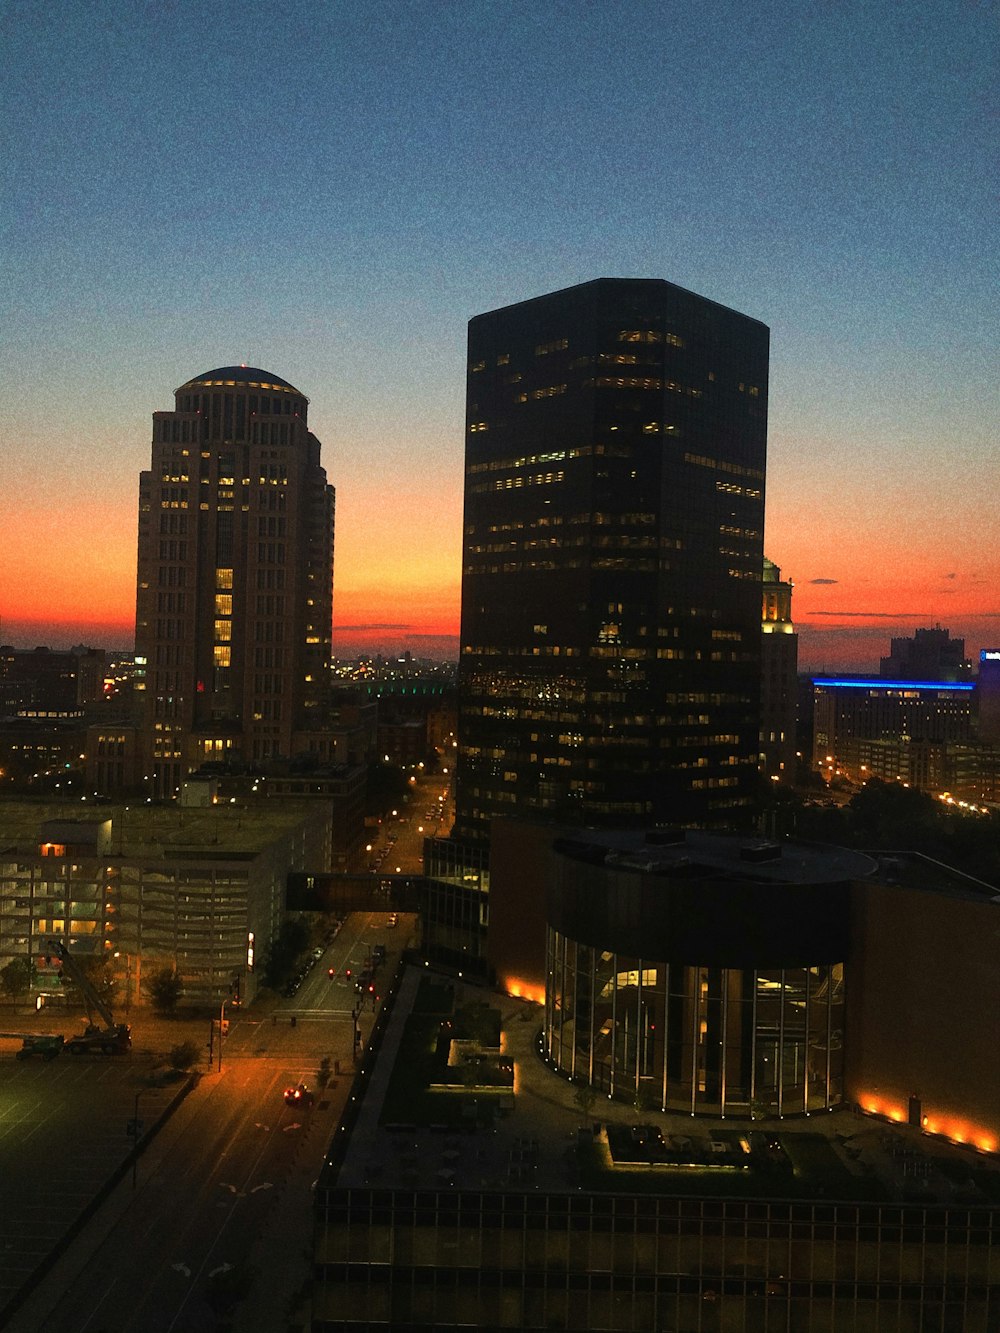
(223, 1205)
(397, 846)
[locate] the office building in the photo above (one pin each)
(929, 654)
(235, 581)
(890, 729)
(453, 1208)
(988, 695)
(611, 588)
(778, 677)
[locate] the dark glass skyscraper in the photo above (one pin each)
(613, 545)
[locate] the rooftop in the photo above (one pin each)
(535, 1140)
(237, 832)
(690, 853)
(250, 376)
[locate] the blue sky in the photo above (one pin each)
(332, 191)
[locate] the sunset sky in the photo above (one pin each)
(331, 191)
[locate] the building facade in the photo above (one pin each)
(930, 654)
(202, 890)
(779, 662)
(891, 729)
(235, 576)
(614, 505)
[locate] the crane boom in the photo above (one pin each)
(90, 995)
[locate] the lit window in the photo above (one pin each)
(224, 578)
(222, 655)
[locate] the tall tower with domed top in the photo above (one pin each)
(235, 576)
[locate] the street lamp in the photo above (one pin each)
(222, 1028)
(128, 980)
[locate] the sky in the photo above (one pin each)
(332, 190)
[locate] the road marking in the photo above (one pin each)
(181, 1268)
(222, 1268)
(264, 1185)
(287, 1128)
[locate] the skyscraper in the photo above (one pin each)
(235, 575)
(778, 676)
(611, 590)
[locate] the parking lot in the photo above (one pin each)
(63, 1131)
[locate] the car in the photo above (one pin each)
(393, 920)
(298, 1095)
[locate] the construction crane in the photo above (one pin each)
(45, 1044)
(111, 1039)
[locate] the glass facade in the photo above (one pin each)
(712, 1040)
(409, 1259)
(613, 530)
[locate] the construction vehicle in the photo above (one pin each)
(111, 1039)
(44, 1044)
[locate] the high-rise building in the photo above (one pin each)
(778, 677)
(235, 575)
(930, 654)
(611, 589)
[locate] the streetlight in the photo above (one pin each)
(128, 980)
(222, 1026)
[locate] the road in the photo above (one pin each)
(223, 1203)
(428, 812)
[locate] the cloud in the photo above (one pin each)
(824, 580)
(873, 615)
(369, 629)
(949, 576)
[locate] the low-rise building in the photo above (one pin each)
(201, 889)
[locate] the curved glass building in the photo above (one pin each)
(700, 973)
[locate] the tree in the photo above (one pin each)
(183, 1056)
(165, 989)
(16, 977)
(283, 952)
(585, 1095)
(100, 976)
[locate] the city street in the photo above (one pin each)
(398, 842)
(223, 1198)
